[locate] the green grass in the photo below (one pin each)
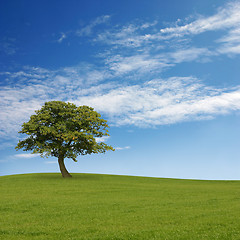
(88, 206)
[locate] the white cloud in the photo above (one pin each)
(233, 36)
(127, 36)
(144, 37)
(139, 63)
(188, 55)
(63, 36)
(230, 42)
(132, 35)
(26, 155)
(162, 102)
(226, 17)
(148, 24)
(122, 88)
(154, 63)
(29, 88)
(155, 102)
(87, 30)
(230, 49)
(157, 50)
(102, 139)
(122, 148)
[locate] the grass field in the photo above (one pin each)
(88, 206)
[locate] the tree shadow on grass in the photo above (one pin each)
(58, 176)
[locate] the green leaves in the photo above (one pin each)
(60, 128)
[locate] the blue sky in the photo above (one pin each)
(165, 74)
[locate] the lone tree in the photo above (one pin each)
(64, 130)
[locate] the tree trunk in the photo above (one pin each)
(63, 169)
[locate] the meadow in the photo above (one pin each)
(95, 206)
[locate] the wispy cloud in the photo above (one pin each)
(126, 87)
(62, 37)
(231, 37)
(231, 49)
(140, 63)
(122, 148)
(230, 42)
(160, 102)
(189, 55)
(125, 36)
(133, 35)
(150, 63)
(29, 88)
(26, 155)
(88, 29)
(147, 36)
(150, 103)
(102, 139)
(225, 18)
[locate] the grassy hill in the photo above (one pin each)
(89, 206)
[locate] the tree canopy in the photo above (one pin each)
(64, 130)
